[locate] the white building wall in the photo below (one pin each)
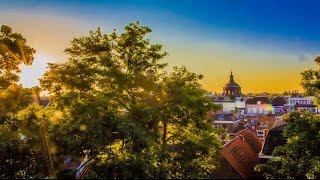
(229, 106)
(254, 109)
(300, 100)
(240, 104)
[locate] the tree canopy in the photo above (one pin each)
(137, 121)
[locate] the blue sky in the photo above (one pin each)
(244, 35)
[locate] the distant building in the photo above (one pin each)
(232, 89)
(279, 105)
(307, 107)
(259, 105)
(229, 121)
(301, 104)
(227, 105)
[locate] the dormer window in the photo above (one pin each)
(221, 117)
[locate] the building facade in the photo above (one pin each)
(226, 120)
(292, 101)
(258, 106)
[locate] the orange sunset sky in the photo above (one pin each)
(212, 43)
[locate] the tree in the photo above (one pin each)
(13, 52)
(22, 146)
(189, 143)
(300, 157)
(13, 99)
(311, 81)
(118, 103)
(105, 74)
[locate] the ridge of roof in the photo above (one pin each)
(278, 123)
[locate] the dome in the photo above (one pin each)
(232, 89)
(232, 84)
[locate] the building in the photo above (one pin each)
(273, 139)
(261, 124)
(279, 105)
(239, 157)
(231, 100)
(229, 121)
(307, 107)
(232, 89)
(259, 105)
(227, 105)
(293, 100)
(241, 103)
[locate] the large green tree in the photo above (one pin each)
(118, 103)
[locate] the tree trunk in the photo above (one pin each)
(164, 136)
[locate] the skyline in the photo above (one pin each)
(266, 46)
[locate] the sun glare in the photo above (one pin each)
(30, 75)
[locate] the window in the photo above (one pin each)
(260, 133)
(254, 110)
(221, 117)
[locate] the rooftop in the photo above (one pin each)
(305, 105)
(242, 152)
(265, 122)
(274, 138)
(278, 101)
(262, 99)
(224, 116)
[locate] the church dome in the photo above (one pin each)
(232, 88)
(232, 84)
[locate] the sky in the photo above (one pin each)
(266, 44)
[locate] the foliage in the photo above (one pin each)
(311, 81)
(13, 52)
(111, 99)
(118, 103)
(21, 146)
(299, 158)
(22, 153)
(13, 99)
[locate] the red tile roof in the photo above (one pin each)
(267, 120)
(249, 136)
(242, 152)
